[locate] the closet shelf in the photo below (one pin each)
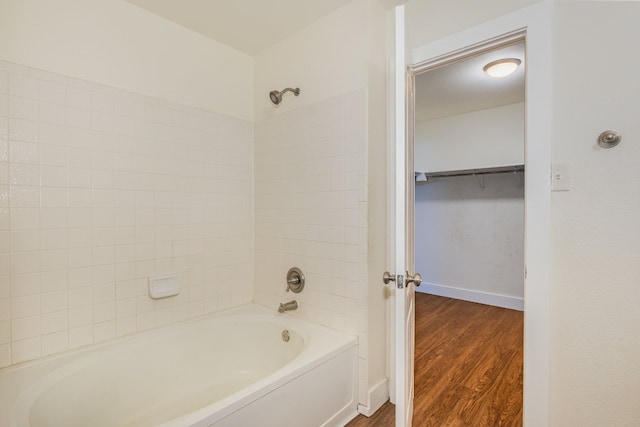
(466, 172)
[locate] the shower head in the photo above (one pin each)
(276, 96)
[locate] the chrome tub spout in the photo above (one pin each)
(287, 306)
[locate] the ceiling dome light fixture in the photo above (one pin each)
(502, 67)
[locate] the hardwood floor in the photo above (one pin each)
(468, 366)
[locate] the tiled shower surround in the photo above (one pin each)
(101, 189)
(311, 212)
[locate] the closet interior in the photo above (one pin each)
(469, 171)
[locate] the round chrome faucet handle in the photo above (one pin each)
(295, 280)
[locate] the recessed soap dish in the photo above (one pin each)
(162, 287)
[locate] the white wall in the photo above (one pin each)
(102, 188)
(377, 204)
(313, 153)
(428, 21)
(325, 59)
(486, 138)
(115, 43)
(595, 321)
(470, 239)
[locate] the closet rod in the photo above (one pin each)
(466, 172)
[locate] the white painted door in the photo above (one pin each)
(403, 285)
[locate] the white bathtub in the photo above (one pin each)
(228, 369)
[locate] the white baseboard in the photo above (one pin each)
(497, 300)
(378, 395)
(343, 417)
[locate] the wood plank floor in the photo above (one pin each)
(468, 366)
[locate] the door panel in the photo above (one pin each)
(404, 291)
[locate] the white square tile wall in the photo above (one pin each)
(311, 212)
(101, 188)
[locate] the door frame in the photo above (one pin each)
(534, 23)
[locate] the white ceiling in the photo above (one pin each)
(246, 25)
(463, 87)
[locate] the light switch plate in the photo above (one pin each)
(561, 177)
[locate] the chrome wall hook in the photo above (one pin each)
(609, 139)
